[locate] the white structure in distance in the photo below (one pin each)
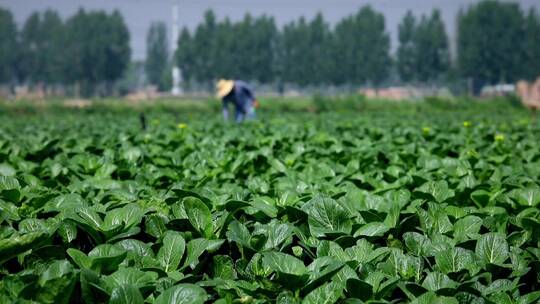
(176, 75)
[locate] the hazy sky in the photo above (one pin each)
(140, 13)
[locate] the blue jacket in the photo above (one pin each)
(242, 97)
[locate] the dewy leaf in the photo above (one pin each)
(199, 216)
(171, 252)
(326, 216)
(438, 190)
(182, 294)
(126, 294)
(492, 248)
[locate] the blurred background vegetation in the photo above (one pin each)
(88, 54)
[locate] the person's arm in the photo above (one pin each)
(249, 93)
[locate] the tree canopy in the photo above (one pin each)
(157, 55)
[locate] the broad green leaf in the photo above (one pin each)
(106, 257)
(88, 216)
(467, 227)
(56, 270)
(277, 234)
(182, 294)
(372, 229)
(417, 243)
(91, 289)
(291, 272)
(17, 244)
(284, 263)
(454, 260)
(130, 276)
(136, 250)
(126, 294)
(492, 248)
(81, 259)
(7, 170)
(10, 189)
(481, 197)
(57, 283)
(199, 216)
(432, 298)
(172, 251)
(359, 289)
(326, 216)
(223, 267)
(68, 231)
(237, 232)
(155, 225)
(65, 203)
(196, 247)
(530, 298)
(264, 205)
(128, 215)
(438, 190)
(132, 154)
(326, 294)
(529, 196)
(435, 281)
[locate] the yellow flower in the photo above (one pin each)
(426, 130)
(466, 124)
(499, 138)
(182, 126)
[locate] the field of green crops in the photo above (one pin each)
(389, 206)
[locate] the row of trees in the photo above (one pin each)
(496, 42)
(303, 52)
(89, 51)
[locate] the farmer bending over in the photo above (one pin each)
(238, 93)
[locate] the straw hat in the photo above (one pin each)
(224, 87)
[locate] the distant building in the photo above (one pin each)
(498, 90)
